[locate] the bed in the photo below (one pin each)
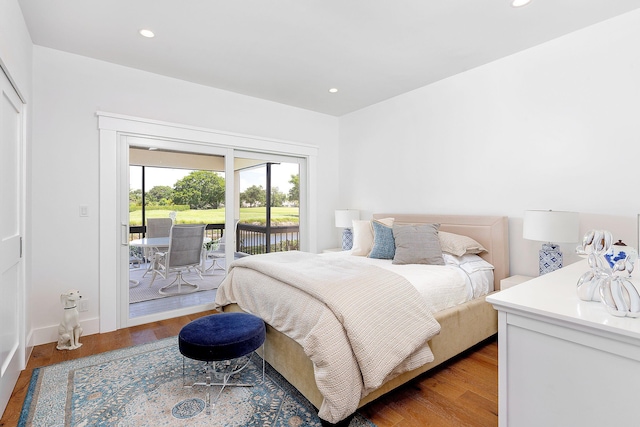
(460, 327)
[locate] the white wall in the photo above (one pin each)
(15, 46)
(554, 127)
(68, 90)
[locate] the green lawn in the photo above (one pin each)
(216, 216)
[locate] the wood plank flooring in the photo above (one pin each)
(462, 392)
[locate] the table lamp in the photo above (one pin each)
(344, 219)
(551, 227)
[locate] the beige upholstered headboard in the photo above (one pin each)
(492, 232)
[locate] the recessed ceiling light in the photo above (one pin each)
(333, 90)
(520, 3)
(147, 33)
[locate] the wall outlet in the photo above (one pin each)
(83, 305)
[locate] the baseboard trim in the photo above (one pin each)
(49, 334)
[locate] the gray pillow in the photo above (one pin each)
(417, 244)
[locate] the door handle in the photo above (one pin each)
(124, 232)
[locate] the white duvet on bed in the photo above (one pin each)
(460, 280)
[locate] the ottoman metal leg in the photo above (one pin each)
(222, 371)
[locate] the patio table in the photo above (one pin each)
(162, 243)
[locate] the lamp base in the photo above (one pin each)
(550, 258)
(347, 239)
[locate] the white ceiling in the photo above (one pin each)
(293, 51)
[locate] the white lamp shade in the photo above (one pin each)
(345, 217)
(551, 226)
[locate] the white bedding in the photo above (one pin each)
(460, 280)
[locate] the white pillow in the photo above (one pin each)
(468, 262)
(456, 244)
(363, 235)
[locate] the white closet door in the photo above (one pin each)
(11, 277)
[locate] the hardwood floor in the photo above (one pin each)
(463, 392)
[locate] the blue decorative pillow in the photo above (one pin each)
(384, 245)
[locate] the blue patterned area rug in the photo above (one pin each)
(143, 386)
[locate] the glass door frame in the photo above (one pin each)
(303, 176)
(176, 146)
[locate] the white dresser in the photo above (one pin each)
(562, 361)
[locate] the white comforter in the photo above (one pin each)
(438, 284)
(359, 324)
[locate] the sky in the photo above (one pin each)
(280, 176)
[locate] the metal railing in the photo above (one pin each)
(259, 239)
(250, 239)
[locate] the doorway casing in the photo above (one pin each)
(115, 129)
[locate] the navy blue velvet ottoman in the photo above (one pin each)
(218, 339)
(221, 336)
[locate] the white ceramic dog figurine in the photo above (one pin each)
(69, 330)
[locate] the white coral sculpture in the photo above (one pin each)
(605, 283)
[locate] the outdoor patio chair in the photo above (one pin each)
(217, 251)
(156, 227)
(135, 260)
(185, 252)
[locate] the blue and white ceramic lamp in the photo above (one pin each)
(344, 220)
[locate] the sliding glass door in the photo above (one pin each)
(173, 188)
(120, 134)
(269, 205)
(249, 205)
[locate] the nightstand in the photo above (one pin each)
(512, 281)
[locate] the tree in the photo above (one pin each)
(294, 192)
(159, 195)
(277, 197)
(254, 196)
(200, 190)
(135, 196)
